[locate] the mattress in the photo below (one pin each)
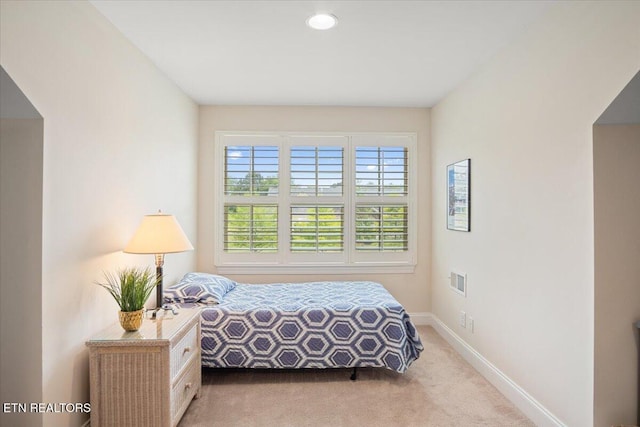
(309, 325)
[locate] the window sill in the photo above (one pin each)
(330, 269)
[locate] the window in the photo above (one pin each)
(316, 171)
(381, 228)
(317, 228)
(299, 203)
(381, 171)
(250, 228)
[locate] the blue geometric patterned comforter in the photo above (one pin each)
(309, 325)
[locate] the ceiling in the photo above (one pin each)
(381, 53)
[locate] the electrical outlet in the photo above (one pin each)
(471, 324)
(463, 319)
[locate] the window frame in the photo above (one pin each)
(283, 261)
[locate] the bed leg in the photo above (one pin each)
(354, 374)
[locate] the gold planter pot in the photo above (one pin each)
(131, 320)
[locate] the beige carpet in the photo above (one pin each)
(439, 389)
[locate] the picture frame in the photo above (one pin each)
(459, 196)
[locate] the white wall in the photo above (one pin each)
(20, 265)
(412, 290)
(616, 156)
(120, 141)
(525, 121)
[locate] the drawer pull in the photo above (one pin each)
(187, 386)
(186, 350)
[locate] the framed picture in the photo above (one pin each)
(459, 196)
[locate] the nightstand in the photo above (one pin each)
(147, 377)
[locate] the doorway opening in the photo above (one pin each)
(616, 172)
(21, 178)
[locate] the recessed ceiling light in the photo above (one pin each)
(322, 21)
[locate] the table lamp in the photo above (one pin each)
(158, 234)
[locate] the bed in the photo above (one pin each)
(299, 325)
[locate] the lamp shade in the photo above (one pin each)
(158, 234)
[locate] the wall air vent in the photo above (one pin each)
(458, 282)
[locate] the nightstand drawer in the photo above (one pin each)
(185, 388)
(185, 348)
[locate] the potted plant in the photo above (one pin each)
(130, 287)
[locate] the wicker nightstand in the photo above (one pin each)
(148, 377)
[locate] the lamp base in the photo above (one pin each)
(161, 311)
(159, 279)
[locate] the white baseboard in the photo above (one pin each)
(533, 409)
(421, 318)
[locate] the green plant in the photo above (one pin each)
(130, 287)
